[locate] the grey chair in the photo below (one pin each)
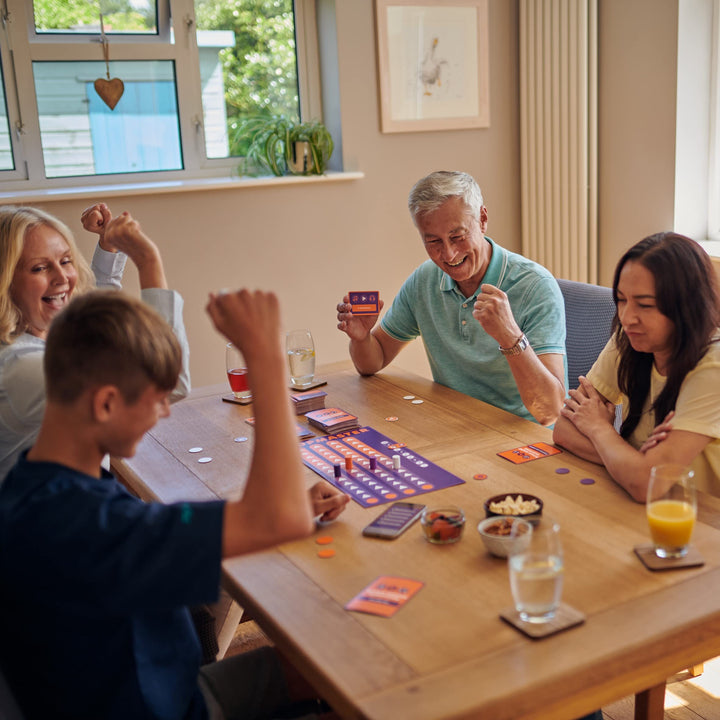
(589, 310)
(9, 709)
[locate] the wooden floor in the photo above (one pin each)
(686, 698)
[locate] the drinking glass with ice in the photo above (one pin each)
(301, 357)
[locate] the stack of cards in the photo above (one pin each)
(307, 401)
(302, 432)
(332, 420)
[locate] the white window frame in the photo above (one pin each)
(21, 45)
(714, 139)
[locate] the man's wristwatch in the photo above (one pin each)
(517, 348)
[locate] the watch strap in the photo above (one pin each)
(520, 345)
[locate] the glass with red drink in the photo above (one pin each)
(237, 372)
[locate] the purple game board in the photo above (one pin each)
(416, 475)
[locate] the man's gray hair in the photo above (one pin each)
(433, 190)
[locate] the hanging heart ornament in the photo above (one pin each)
(110, 91)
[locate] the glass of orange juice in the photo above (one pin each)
(671, 509)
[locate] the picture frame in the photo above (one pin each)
(433, 64)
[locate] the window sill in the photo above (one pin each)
(170, 186)
(712, 247)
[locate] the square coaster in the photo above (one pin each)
(232, 399)
(317, 382)
(565, 618)
(651, 561)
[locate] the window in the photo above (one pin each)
(714, 144)
(188, 72)
(697, 122)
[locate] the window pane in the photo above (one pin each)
(6, 156)
(83, 16)
(81, 135)
(248, 66)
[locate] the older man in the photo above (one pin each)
(492, 321)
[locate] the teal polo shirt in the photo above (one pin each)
(461, 354)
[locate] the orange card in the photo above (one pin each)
(384, 596)
(529, 452)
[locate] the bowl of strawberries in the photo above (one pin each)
(443, 525)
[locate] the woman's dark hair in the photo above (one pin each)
(686, 292)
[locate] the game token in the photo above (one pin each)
(396, 462)
(240, 439)
(348, 463)
(480, 476)
(324, 540)
(326, 553)
(195, 449)
(337, 470)
(562, 471)
(373, 463)
(205, 460)
(418, 402)
(391, 418)
(408, 397)
(587, 481)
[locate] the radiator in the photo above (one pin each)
(558, 135)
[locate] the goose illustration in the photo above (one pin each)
(431, 69)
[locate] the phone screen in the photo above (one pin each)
(394, 520)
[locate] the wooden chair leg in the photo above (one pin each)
(650, 703)
(696, 670)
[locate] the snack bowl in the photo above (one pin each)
(497, 534)
(522, 505)
(443, 525)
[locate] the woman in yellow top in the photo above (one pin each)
(662, 363)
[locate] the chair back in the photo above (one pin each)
(9, 709)
(589, 311)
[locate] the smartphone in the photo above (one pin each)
(394, 521)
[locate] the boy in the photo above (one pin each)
(110, 576)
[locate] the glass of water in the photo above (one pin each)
(301, 357)
(536, 573)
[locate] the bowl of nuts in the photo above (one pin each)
(501, 534)
(520, 505)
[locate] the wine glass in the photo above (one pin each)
(671, 509)
(237, 372)
(301, 357)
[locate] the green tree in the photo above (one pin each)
(260, 70)
(118, 15)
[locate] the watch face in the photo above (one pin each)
(517, 348)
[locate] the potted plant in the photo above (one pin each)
(282, 146)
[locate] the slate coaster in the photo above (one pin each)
(317, 382)
(232, 399)
(565, 618)
(651, 561)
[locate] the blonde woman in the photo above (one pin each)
(40, 271)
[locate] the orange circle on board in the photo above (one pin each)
(409, 491)
(324, 540)
(427, 486)
(327, 553)
(390, 496)
(371, 501)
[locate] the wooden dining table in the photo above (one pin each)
(447, 653)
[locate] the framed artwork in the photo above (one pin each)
(433, 64)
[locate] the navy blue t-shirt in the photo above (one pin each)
(94, 585)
